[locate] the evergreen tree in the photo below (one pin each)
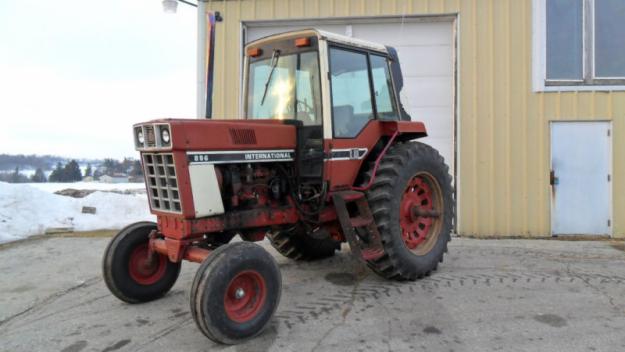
(57, 174)
(71, 172)
(96, 174)
(136, 170)
(126, 165)
(88, 171)
(110, 166)
(38, 176)
(15, 176)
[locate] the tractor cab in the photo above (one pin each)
(332, 87)
(320, 78)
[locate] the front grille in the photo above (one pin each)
(150, 139)
(160, 177)
(243, 136)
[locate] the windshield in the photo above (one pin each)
(291, 91)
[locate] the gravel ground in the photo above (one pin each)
(509, 295)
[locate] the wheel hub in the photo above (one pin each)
(146, 270)
(420, 212)
(245, 295)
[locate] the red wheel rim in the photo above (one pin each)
(144, 271)
(420, 213)
(245, 296)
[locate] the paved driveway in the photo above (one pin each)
(509, 295)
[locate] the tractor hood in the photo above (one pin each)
(214, 135)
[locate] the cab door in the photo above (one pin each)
(309, 150)
(361, 94)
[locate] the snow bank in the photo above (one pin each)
(27, 211)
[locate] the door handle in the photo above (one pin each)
(553, 180)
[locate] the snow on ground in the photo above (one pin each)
(26, 210)
(52, 187)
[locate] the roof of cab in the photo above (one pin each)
(323, 35)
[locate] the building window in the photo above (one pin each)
(582, 43)
(565, 40)
(609, 43)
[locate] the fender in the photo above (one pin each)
(401, 130)
(377, 163)
(368, 146)
(407, 130)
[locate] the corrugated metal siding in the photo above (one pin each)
(503, 127)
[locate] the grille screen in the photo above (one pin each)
(243, 136)
(150, 139)
(160, 177)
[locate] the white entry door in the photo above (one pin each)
(580, 178)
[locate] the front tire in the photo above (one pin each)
(412, 202)
(128, 274)
(235, 292)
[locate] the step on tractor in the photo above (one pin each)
(324, 154)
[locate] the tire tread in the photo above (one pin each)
(381, 194)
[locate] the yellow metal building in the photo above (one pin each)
(504, 106)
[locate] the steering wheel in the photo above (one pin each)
(302, 106)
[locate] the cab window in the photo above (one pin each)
(383, 88)
(352, 107)
(308, 90)
(285, 87)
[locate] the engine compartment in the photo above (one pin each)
(247, 186)
(258, 185)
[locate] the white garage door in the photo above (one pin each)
(426, 55)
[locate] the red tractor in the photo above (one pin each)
(324, 155)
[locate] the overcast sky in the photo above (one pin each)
(76, 74)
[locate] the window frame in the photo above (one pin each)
(297, 67)
(392, 93)
(367, 54)
(589, 81)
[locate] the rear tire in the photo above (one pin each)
(235, 292)
(127, 274)
(411, 176)
(297, 245)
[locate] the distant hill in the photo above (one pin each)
(9, 162)
(51, 168)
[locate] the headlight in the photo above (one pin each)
(140, 137)
(165, 137)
